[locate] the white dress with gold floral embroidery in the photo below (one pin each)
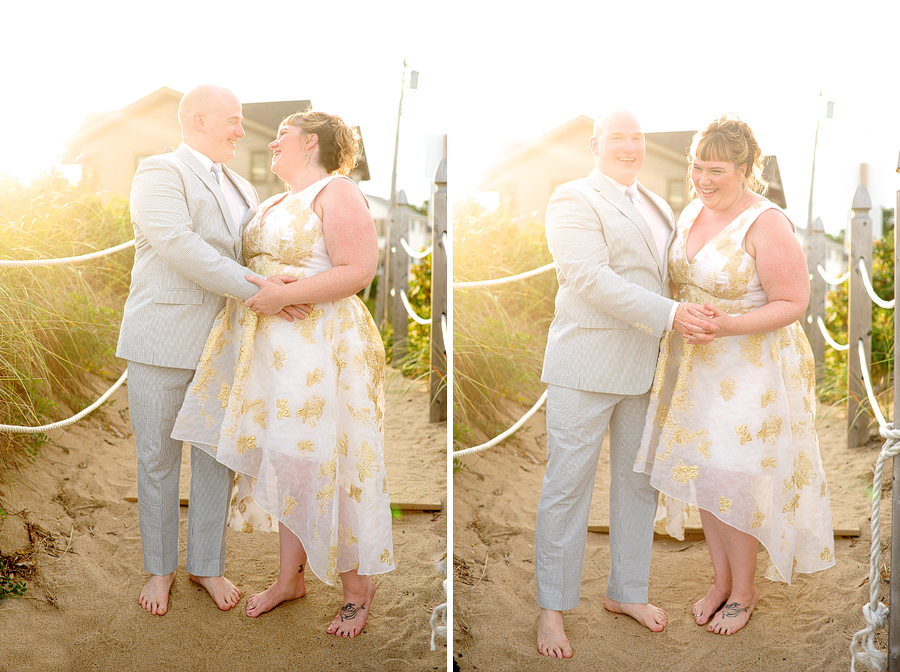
(296, 409)
(731, 424)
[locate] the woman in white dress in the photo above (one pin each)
(296, 409)
(731, 424)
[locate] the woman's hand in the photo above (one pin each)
(272, 299)
(714, 314)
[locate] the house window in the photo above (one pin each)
(260, 166)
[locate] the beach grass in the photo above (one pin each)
(499, 332)
(57, 323)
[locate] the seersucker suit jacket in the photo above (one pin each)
(187, 259)
(614, 299)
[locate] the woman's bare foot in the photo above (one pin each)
(351, 619)
(552, 640)
(651, 617)
(223, 592)
(704, 608)
(734, 615)
(154, 596)
(278, 592)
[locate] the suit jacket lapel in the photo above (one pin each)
(207, 178)
(616, 198)
(242, 190)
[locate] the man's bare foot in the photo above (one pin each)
(651, 617)
(351, 619)
(704, 608)
(734, 615)
(223, 592)
(552, 640)
(278, 592)
(154, 596)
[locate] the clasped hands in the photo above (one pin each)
(699, 324)
(271, 299)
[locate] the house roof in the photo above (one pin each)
(263, 117)
(672, 142)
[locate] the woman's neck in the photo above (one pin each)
(304, 178)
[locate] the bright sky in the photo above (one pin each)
(62, 60)
(491, 73)
(679, 65)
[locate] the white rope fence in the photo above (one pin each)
(411, 253)
(829, 279)
(862, 646)
(828, 339)
(864, 272)
(502, 281)
(439, 612)
(17, 429)
(31, 263)
(509, 432)
(409, 309)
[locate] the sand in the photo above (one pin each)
(805, 626)
(80, 611)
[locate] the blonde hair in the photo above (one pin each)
(338, 142)
(728, 139)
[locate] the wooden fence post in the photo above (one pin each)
(859, 320)
(893, 660)
(438, 369)
(815, 256)
(398, 275)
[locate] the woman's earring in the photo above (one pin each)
(306, 156)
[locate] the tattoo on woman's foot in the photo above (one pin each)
(350, 610)
(733, 610)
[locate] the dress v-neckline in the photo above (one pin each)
(687, 234)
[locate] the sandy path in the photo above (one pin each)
(80, 612)
(805, 626)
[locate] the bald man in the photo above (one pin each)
(188, 212)
(609, 237)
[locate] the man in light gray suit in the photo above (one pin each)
(188, 212)
(609, 238)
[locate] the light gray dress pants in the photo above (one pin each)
(576, 424)
(155, 395)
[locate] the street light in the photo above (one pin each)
(829, 114)
(381, 308)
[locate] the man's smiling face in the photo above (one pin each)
(618, 145)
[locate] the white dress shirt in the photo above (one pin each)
(233, 197)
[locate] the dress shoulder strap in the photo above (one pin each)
(314, 189)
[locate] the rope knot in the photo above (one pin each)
(878, 618)
(888, 432)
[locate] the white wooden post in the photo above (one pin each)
(815, 256)
(398, 278)
(438, 369)
(893, 661)
(859, 320)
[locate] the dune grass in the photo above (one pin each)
(57, 323)
(499, 332)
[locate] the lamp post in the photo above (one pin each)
(829, 113)
(381, 307)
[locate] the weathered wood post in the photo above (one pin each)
(859, 320)
(815, 256)
(893, 661)
(398, 275)
(438, 369)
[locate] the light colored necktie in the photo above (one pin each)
(217, 173)
(632, 194)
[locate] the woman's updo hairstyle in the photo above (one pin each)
(338, 143)
(728, 139)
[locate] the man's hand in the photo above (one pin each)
(694, 323)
